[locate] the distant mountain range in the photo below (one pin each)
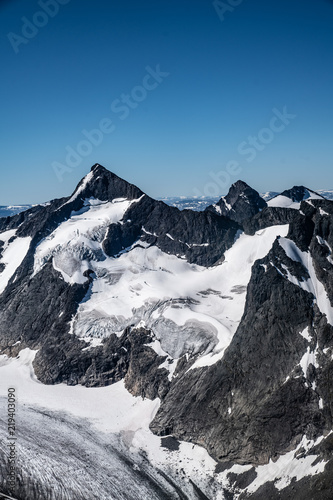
(165, 354)
(8, 211)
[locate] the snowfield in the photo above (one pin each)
(78, 240)
(190, 309)
(13, 253)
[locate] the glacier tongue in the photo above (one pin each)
(90, 442)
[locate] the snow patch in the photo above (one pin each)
(12, 255)
(312, 284)
(307, 359)
(324, 243)
(283, 202)
(288, 467)
(305, 333)
(85, 181)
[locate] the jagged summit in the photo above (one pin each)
(239, 186)
(241, 202)
(300, 193)
(105, 185)
(291, 198)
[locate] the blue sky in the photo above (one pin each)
(182, 94)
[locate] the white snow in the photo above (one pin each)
(148, 232)
(308, 358)
(288, 467)
(283, 202)
(129, 417)
(323, 242)
(120, 410)
(112, 411)
(186, 306)
(92, 343)
(73, 244)
(305, 333)
(85, 181)
(312, 285)
(12, 255)
(228, 206)
(234, 275)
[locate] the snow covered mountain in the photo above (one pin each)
(268, 195)
(292, 198)
(164, 353)
(182, 202)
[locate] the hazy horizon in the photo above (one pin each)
(180, 98)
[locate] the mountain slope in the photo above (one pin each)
(222, 321)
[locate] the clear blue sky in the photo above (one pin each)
(225, 78)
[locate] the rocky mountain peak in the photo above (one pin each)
(241, 202)
(104, 185)
(300, 193)
(239, 186)
(292, 198)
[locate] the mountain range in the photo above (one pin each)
(169, 354)
(181, 202)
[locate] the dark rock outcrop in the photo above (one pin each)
(299, 193)
(241, 203)
(267, 412)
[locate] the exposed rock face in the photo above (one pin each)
(267, 413)
(299, 193)
(271, 216)
(202, 237)
(105, 185)
(249, 388)
(241, 203)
